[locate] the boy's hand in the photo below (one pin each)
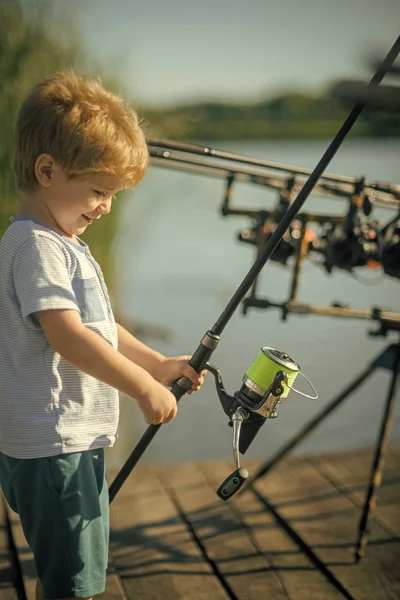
(172, 369)
(158, 405)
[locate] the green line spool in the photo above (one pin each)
(264, 368)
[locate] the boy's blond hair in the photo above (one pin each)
(83, 126)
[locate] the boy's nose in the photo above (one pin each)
(105, 206)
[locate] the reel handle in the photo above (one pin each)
(235, 480)
(232, 483)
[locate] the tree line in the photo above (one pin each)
(30, 49)
(291, 115)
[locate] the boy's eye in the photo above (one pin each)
(98, 193)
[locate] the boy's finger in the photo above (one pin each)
(193, 375)
(169, 417)
(189, 372)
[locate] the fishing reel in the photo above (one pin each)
(356, 243)
(390, 252)
(265, 384)
(259, 234)
(348, 248)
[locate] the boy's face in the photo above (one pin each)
(71, 205)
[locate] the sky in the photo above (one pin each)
(178, 51)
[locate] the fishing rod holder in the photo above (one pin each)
(263, 387)
(329, 241)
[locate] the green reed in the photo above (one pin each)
(35, 42)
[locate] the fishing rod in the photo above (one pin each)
(272, 374)
(159, 147)
(388, 195)
(274, 182)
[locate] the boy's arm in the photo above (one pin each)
(91, 353)
(139, 353)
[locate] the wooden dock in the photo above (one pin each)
(292, 536)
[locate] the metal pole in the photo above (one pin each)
(378, 460)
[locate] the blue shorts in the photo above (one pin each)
(63, 506)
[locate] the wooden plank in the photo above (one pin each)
(350, 474)
(327, 521)
(297, 574)
(7, 589)
(247, 573)
(151, 547)
(114, 589)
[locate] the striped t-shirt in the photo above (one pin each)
(48, 406)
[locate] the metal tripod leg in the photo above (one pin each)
(391, 361)
(311, 425)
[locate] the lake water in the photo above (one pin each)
(178, 264)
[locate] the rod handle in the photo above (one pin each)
(180, 387)
(198, 362)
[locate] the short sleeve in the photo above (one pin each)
(41, 278)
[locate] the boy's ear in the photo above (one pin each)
(44, 169)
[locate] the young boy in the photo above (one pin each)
(63, 357)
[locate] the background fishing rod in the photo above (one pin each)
(211, 338)
(207, 153)
(353, 240)
(380, 193)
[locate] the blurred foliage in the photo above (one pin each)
(287, 116)
(30, 49)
